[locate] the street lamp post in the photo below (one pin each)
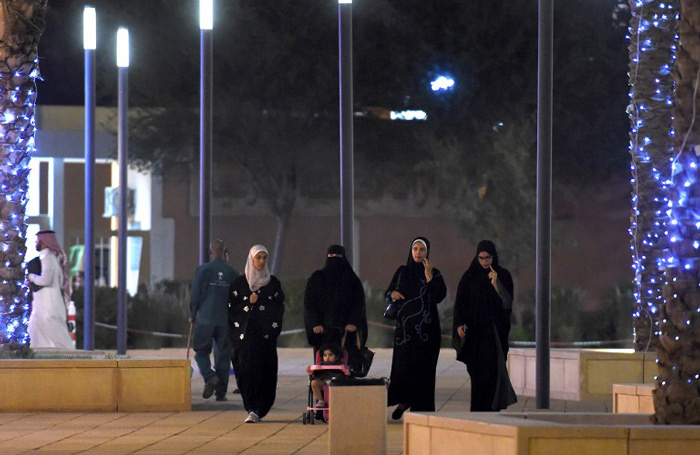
(122, 145)
(347, 210)
(544, 204)
(206, 25)
(90, 45)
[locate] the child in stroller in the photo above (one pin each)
(331, 362)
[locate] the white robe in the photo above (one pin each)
(47, 322)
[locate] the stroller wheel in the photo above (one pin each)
(311, 417)
(303, 418)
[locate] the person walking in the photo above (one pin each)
(334, 303)
(209, 314)
(483, 306)
(51, 296)
(255, 321)
(417, 287)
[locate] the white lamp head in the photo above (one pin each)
(206, 14)
(123, 48)
(89, 28)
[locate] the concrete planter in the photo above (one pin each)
(544, 433)
(633, 398)
(582, 374)
(95, 385)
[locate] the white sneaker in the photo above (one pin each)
(252, 418)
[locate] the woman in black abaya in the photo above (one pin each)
(255, 321)
(483, 307)
(334, 303)
(417, 287)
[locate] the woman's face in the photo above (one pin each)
(259, 260)
(485, 259)
(419, 252)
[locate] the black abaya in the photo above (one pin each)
(416, 338)
(254, 328)
(334, 298)
(484, 349)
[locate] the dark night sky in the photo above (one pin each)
(590, 72)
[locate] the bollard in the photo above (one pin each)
(357, 422)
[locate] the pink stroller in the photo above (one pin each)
(341, 370)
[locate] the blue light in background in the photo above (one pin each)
(442, 83)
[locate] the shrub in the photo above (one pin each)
(162, 308)
(571, 322)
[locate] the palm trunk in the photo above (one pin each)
(651, 85)
(677, 395)
(21, 25)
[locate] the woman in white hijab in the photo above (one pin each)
(255, 321)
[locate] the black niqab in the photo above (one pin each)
(336, 266)
(334, 298)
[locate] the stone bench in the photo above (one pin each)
(633, 398)
(95, 385)
(582, 374)
(544, 433)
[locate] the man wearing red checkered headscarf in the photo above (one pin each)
(47, 322)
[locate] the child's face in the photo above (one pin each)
(328, 356)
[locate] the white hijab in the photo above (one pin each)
(256, 278)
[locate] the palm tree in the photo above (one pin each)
(21, 26)
(677, 394)
(651, 87)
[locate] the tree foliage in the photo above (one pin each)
(276, 102)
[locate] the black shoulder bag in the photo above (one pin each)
(393, 306)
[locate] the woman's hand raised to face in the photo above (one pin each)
(462, 330)
(428, 270)
(493, 276)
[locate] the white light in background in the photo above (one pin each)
(123, 48)
(442, 83)
(89, 29)
(206, 14)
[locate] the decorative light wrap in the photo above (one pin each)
(678, 381)
(652, 49)
(19, 68)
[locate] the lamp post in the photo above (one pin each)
(206, 25)
(347, 210)
(543, 266)
(122, 145)
(90, 45)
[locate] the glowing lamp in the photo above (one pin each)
(206, 14)
(89, 29)
(123, 48)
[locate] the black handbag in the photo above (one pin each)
(360, 359)
(392, 309)
(393, 306)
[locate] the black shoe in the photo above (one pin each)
(210, 386)
(237, 391)
(398, 412)
(221, 398)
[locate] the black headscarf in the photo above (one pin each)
(414, 272)
(475, 269)
(478, 275)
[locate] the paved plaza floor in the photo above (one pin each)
(214, 428)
